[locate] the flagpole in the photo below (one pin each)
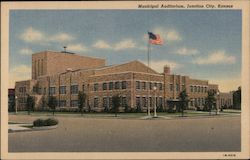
(148, 103)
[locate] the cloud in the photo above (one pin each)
(125, 44)
(120, 45)
(158, 65)
(19, 73)
(187, 51)
(26, 51)
(32, 35)
(168, 35)
(101, 44)
(61, 37)
(218, 57)
(77, 47)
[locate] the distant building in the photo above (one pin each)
(11, 99)
(63, 74)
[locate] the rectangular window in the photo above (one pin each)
(143, 85)
(191, 89)
(138, 102)
(144, 103)
(52, 90)
(177, 87)
(96, 87)
(83, 88)
(171, 87)
(104, 86)
(105, 102)
(34, 89)
(202, 89)
(150, 102)
(96, 102)
(74, 89)
(195, 89)
(110, 85)
(110, 102)
(124, 101)
(138, 85)
(160, 102)
(183, 80)
(150, 85)
(191, 103)
(117, 85)
(160, 86)
(124, 84)
(22, 89)
(155, 84)
(62, 90)
(205, 89)
(74, 103)
(198, 88)
(62, 103)
(44, 90)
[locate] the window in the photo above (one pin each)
(177, 87)
(191, 89)
(62, 103)
(96, 102)
(144, 102)
(195, 89)
(150, 85)
(105, 103)
(171, 87)
(44, 90)
(34, 89)
(110, 102)
(160, 102)
(160, 86)
(183, 80)
(74, 89)
(117, 85)
(138, 85)
(104, 86)
(62, 90)
(74, 103)
(52, 90)
(124, 84)
(205, 89)
(83, 88)
(199, 88)
(138, 102)
(155, 84)
(124, 101)
(150, 102)
(22, 89)
(143, 85)
(110, 85)
(96, 87)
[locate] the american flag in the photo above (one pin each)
(155, 39)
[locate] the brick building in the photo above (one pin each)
(63, 75)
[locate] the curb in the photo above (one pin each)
(45, 128)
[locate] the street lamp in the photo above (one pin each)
(218, 105)
(16, 104)
(155, 115)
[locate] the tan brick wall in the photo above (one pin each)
(56, 62)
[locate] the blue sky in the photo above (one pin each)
(204, 44)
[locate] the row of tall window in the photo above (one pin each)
(62, 90)
(197, 102)
(202, 89)
(148, 85)
(111, 85)
(142, 101)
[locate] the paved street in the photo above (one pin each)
(109, 134)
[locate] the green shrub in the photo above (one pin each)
(46, 122)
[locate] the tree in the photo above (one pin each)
(52, 102)
(184, 101)
(30, 103)
(81, 100)
(116, 101)
(210, 100)
(237, 98)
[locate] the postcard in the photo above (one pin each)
(125, 80)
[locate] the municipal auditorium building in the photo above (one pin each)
(64, 74)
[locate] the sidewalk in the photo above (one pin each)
(18, 127)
